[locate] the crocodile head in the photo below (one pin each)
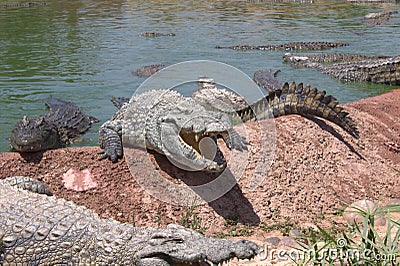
(32, 134)
(177, 245)
(188, 137)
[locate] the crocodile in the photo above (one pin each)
(155, 34)
(36, 229)
(292, 46)
(300, 59)
(21, 4)
(147, 71)
(59, 127)
(375, 69)
(374, 19)
(174, 125)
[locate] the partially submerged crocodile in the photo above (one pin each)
(59, 127)
(374, 19)
(21, 4)
(376, 69)
(152, 34)
(173, 125)
(37, 229)
(147, 71)
(292, 46)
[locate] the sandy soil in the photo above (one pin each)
(315, 168)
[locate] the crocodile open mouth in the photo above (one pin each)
(172, 260)
(204, 147)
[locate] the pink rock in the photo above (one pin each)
(79, 180)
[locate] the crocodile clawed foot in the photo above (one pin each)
(110, 153)
(234, 141)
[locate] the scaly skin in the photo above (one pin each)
(301, 59)
(155, 34)
(147, 71)
(29, 184)
(36, 229)
(267, 80)
(281, 100)
(292, 46)
(376, 69)
(167, 122)
(21, 4)
(173, 125)
(59, 127)
(296, 99)
(374, 19)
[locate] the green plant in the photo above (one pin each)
(362, 245)
(192, 220)
(236, 231)
(284, 227)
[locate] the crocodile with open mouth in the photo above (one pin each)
(174, 125)
(36, 229)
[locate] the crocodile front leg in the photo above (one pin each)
(110, 140)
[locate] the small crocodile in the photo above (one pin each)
(59, 127)
(36, 229)
(147, 71)
(292, 46)
(152, 34)
(173, 125)
(374, 19)
(21, 4)
(375, 69)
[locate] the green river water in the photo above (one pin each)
(84, 51)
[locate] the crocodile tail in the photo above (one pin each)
(296, 99)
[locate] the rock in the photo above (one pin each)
(352, 214)
(274, 240)
(79, 180)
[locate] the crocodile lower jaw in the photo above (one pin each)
(205, 148)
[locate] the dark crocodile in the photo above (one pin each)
(173, 125)
(59, 127)
(119, 101)
(37, 229)
(151, 34)
(375, 69)
(292, 46)
(21, 4)
(267, 80)
(147, 71)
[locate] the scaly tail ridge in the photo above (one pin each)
(296, 99)
(306, 101)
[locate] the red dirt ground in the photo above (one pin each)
(316, 167)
